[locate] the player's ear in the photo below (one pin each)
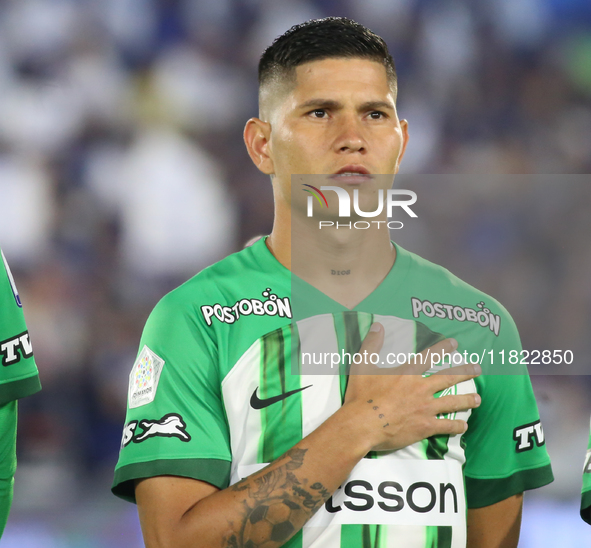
(257, 137)
(404, 131)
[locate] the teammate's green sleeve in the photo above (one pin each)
(7, 459)
(18, 378)
(586, 489)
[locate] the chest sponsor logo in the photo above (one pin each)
(257, 403)
(394, 492)
(171, 425)
(272, 306)
(15, 348)
(587, 467)
(479, 315)
(144, 378)
(528, 435)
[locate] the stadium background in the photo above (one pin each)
(122, 172)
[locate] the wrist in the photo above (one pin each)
(356, 435)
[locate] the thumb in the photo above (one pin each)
(372, 344)
(374, 338)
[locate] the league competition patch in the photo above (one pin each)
(144, 377)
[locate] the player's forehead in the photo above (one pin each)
(339, 78)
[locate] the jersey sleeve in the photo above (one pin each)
(8, 422)
(586, 489)
(505, 446)
(18, 372)
(175, 423)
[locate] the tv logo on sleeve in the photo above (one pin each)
(527, 435)
(12, 349)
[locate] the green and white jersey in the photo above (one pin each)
(212, 396)
(586, 490)
(18, 372)
(18, 378)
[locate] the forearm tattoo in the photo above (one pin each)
(276, 504)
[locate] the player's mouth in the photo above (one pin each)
(352, 174)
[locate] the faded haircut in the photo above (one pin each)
(317, 39)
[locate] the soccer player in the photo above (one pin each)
(586, 489)
(224, 446)
(18, 378)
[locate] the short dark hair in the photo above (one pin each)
(317, 39)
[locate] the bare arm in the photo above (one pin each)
(380, 412)
(497, 525)
(172, 514)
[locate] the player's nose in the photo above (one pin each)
(350, 135)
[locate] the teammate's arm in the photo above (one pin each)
(586, 488)
(8, 422)
(380, 412)
(18, 378)
(497, 525)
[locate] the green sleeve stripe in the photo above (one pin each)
(19, 389)
(484, 492)
(214, 471)
(586, 506)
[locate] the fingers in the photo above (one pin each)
(453, 404)
(448, 426)
(454, 375)
(428, 358)
(417, 363)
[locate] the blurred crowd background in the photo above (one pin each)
(123, 173)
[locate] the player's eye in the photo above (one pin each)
(377, 115)
(318, 113)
